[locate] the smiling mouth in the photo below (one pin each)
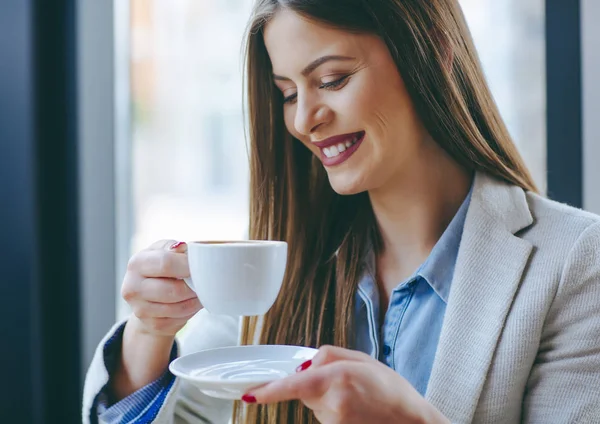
(336, 150)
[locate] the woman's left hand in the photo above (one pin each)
(345, 386)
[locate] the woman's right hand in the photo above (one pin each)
(153, 286)
(162, 303)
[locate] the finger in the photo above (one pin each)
(161, 290)
(310, 384)
(165, 290)
(174, 245)
(160, 263)
(145, 310)
(328, 354)
(167, 326)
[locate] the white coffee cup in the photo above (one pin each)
(238, 278)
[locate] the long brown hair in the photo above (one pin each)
(291, 198)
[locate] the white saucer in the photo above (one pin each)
(228, 373)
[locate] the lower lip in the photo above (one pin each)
(342, 157)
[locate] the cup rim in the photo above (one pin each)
(236, 243)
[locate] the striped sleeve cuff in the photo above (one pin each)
(141, 406)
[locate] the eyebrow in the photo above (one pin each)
(312, 66)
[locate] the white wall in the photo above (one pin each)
(96, 110)
(590, 16)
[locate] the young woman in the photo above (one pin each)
(418, 245)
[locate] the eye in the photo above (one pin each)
(291, 98)
(337, 84)
(333, 85)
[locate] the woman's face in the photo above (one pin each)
(345, 100)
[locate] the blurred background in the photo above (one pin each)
(121, 123)
(187, 168)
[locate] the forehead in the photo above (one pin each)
(292, 41)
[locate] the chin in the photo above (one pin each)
(346, 186)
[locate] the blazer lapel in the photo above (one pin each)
(488, 271)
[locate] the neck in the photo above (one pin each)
(413, 211)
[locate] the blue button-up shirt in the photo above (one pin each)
(407, 340)
(408, 337)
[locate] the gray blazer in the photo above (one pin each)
(521, 336)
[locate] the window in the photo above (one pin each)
(189, 170)
(510, 40)
(188, 167)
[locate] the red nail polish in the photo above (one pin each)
(304, 366)
(176, 245)
(249, 399)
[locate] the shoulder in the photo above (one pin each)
(568, 239)
(560, 226)
(545, 210)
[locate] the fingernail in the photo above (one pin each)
(304, 366)
(176, 245)
(249, 399)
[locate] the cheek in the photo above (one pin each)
(354, 103)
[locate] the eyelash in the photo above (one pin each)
(333, 85)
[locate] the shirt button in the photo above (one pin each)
(387, 350)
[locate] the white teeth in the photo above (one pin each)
(335, 150)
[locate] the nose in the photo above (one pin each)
(310, 114)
